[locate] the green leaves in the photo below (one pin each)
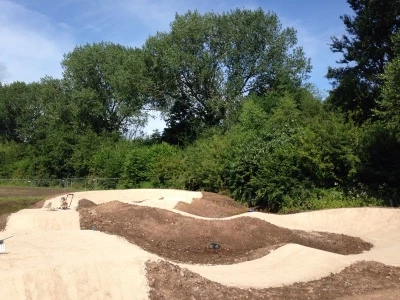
(366, 51)
(389, 107)
(152, 166)
(278, 158)
(107, 85)
(207, 63)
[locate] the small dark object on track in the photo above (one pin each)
(214, 246)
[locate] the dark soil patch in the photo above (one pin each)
(38, 204)
(18, 191)
(3, 221)
(85, 203)
(8, 206)
(168, 281)
(185, 239)
(213, 206)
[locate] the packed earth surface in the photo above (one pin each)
(172, 244)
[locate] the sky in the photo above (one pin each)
(35, 34)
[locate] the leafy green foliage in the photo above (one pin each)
(203, 164)
(154, 166)
(328, 198)
(380, 161)
(231, 88)
(389, 109)
(108, 159)
(366, 51)
(107, 84)
(203, 67)
(19, 107)
(136, 168)
(271, 159)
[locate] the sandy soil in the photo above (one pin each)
(159, 198)
(72, 265)
(50, 257)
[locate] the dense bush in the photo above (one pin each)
(151, 166)
(275, 159)
(283, 153)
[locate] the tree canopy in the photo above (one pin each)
(366, 50)
(207, 63)
(106, 83)
(389, 109)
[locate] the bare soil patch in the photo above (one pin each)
(213, 206)
(17, 191)
(38, 204)
(85, 203)
(168, 281)
(185, 239)
(3, 221)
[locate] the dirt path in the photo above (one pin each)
(41, 220)
(72, 265)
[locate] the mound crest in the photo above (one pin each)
(185, 239)
(85, 203)
(212, 205)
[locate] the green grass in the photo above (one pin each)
(13, 204)
(15, 198)
(328, 199)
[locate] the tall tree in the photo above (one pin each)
(20, 106)
(207, 63)
(366, 50)
(29, 111)
(389, 108)
(107, 83)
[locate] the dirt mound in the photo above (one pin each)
(41, 220)
(185, 239)
(168, 281)
(213, 206)
(85, 203)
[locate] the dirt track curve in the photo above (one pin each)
(49, 256)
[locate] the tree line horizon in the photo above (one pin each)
(240, 117)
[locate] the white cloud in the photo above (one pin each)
(31, 45)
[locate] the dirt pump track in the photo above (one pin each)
(141, 244)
